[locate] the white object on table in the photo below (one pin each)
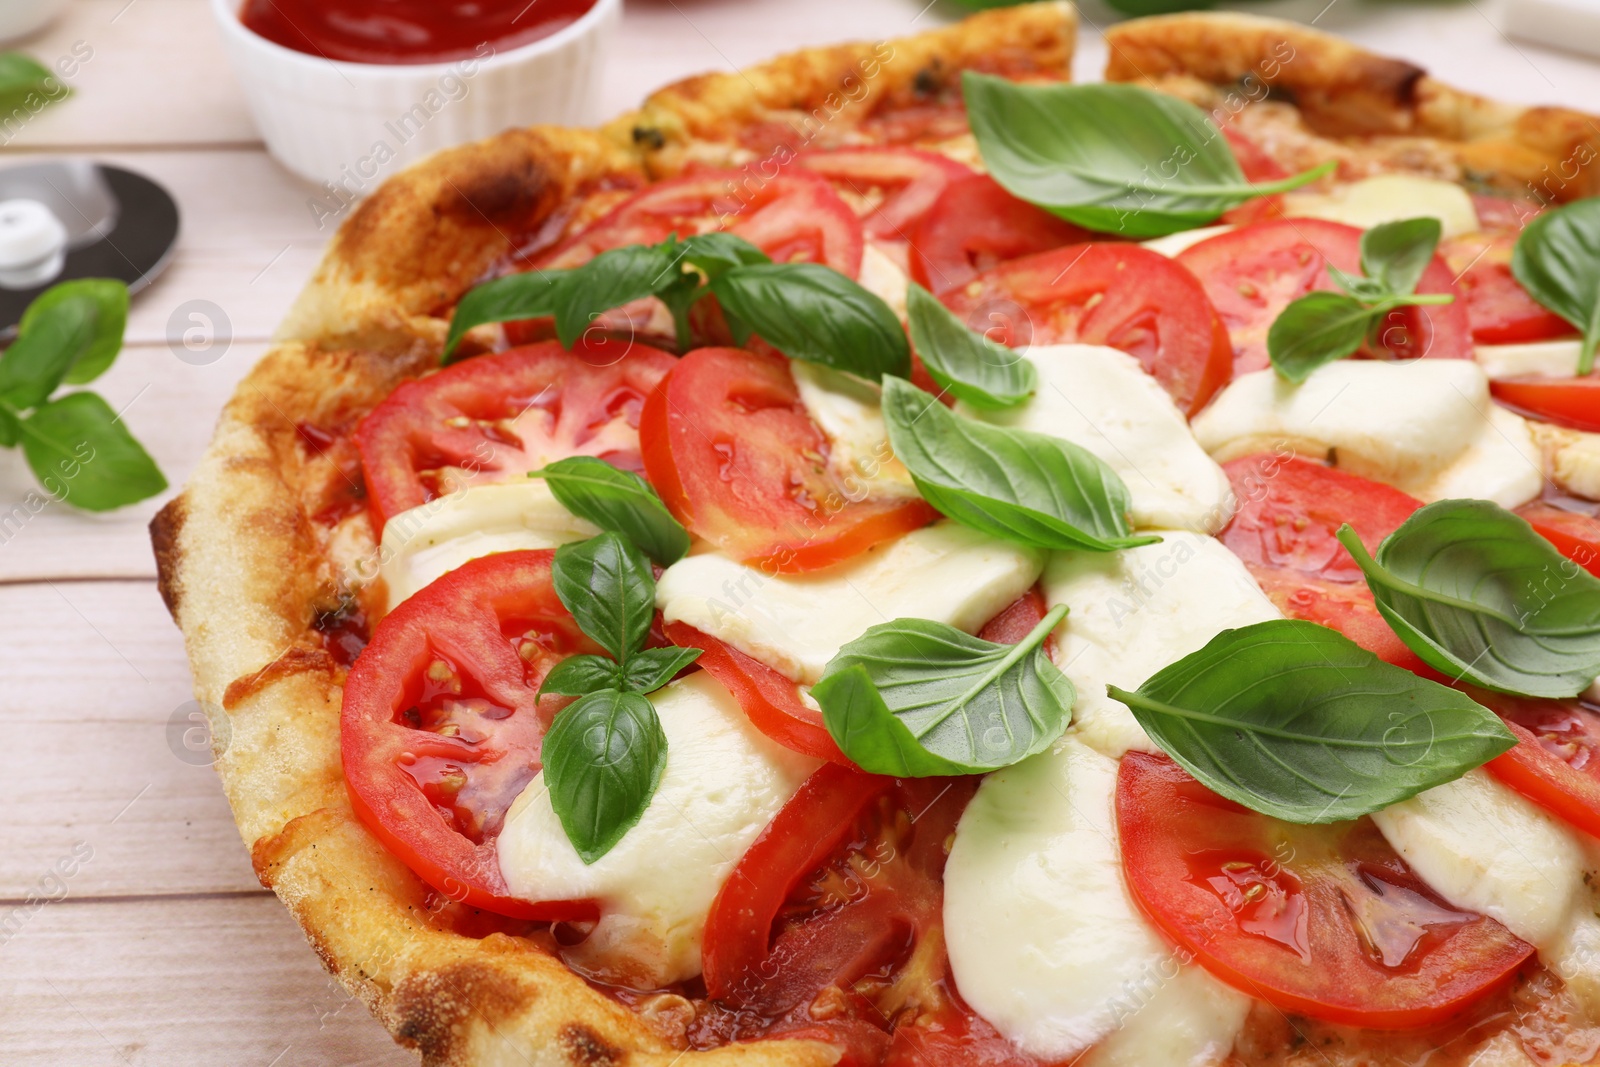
(1572, 25)
(33, 244)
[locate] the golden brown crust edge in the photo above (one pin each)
(244, 570)
(1355, 105)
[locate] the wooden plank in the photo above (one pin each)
(224, 980)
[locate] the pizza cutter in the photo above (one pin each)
(78, 219)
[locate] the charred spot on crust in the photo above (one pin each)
(650, 137)
(585, 1048)
(930, 80)
(433, 1010)
(164, 531)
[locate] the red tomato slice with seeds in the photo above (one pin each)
(1253, 273)
(975, 225)
(1557, 761)
(492, 418)
(735, 456)
(893, 187)
(441, 723)
(1574, 532)
(1570, 402)
(1324, 921)
(1107, 293)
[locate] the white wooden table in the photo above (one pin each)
(160, 948)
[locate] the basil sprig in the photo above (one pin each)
(1113, 158)
(619, 500)
(78, 447)
(1325, 326)
(917, 698)
(604, 754)
(1557, 259)
(1297, 721)
(1474, 591)
(965, 364)
(1021, 486)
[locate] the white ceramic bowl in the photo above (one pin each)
(352, 124)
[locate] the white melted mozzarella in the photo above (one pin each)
(1045, 942)
(1133, 613)
(723, 782)
(882, 276)
(1571, 458)
(1534, 359)
(1501, 464)
(1101, 399)
(432, 539)
(1389, 198)
(796, 623)
(1173, 243)
(1485, 848)
(849, 412)
(1400, 423)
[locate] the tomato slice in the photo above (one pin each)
(734, 454)
(1288, 512)
(1325, 921)
(893, 187)
(1258, 167)
(492, 418)
(1253, 273)
(974, 225)
(441, 723)
(1556, 763)
(1107, 293)
(1573, 402)
(1576, 534)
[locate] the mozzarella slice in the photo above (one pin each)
(1571, 458)
(1173, 243)
(1536, 359)
(1045, 942)
(723, 782)
(1136, 611)
(796, 623)
(849, 413)
(1103, 400)
(1484, 847)
(429, 540)
(1502, 464)
(882, 276)
(1389, 198)
(1400, 423)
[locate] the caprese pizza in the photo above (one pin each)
(898, 559)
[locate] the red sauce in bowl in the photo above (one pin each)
(408, 31)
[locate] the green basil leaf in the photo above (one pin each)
(611, 279)
(1366, 290)
(811, 312)
(71, 332)
(83, 454)
(619, 500)
(1395, 254)
(577, 676)
(530, 295)
(1481, 597)
(607, 585)
(603, 759)
(717, 252)
(22, 77)
(1557, 259)
(918, 698)
(649, 669)
(1296, 721)
(10, 428)
(1024, 487)
(1317, 329)
(966, 364)
(1113, 158)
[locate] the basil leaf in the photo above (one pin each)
(1317, 329)
(1475, 592)
(619, 500)
(83, 454)
(1395, 254)
(1021, 486)
(811, 312)
(530, 295)
(611, 279)
(1113, 158)
(966, 364)
(651, 668)
(1557, 259)
(603, 759)
(71, 332)
(717, 252)
(22, 77)
(1296, 721)
(918, 698)
(608, 587)
(577, 676)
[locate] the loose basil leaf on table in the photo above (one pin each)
(605, 582)
(70, 333)
(1296, 721)
(1557, 259)
(811, 312)
(1113, 158)
(966, 364)
(1024, 487)
(22, 77)
(918, 698)
(83, 454)
(619, 500)
(603, 760)
(1474, 591)
(529, 295)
